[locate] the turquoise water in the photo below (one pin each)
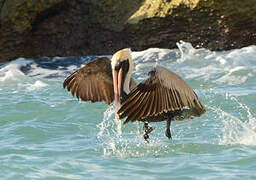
(45, 133)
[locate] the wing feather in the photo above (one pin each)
(74, 88)
(93, 82)
(139, 109)
(133, 105)
(163, 91)
(152, 97)
(155, 103)
(146, 105)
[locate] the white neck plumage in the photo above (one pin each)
(127, 81)
(122, 67)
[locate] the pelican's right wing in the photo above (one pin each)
(93, 82)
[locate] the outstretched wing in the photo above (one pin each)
(93, 82)
(162, 92)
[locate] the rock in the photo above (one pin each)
(35, 28)
(18, 15)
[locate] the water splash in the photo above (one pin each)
(127, 142)
(236, 130)
(109, 125)
(186, 50)
(251, 120)
(110, 132)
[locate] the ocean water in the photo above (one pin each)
(45, 133)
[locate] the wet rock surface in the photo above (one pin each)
(36, 28)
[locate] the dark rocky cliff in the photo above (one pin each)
(35, 28)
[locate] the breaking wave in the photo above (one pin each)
(225, 81)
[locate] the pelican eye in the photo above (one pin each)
(119, 65)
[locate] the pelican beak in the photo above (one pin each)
(118, 83)
(119, 75)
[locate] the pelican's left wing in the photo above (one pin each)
(93, 82)
(163, 91)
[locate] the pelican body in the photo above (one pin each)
(163, 96)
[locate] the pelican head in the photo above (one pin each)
(122, 67)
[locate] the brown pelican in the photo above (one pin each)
(163, 96)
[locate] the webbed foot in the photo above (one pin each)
(168, 134)
(168, 131)
(147, 130)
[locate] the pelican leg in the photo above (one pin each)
(147, 129)
(167, 131)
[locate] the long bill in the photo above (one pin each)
(118, 80)
(118, 77)
(116, 91)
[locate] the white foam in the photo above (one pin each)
(150, 55)
(11, 70)
(37, 85)
(145, 60)
(228, 67)
(43, 72)
(232, 79)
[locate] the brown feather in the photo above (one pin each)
(140, 108)
(151, 104)
(155, 103)
(104, 95)
(74, 88)
(85, 81)
(135, 111)
(132, 106)
(162, 92)
(83, 91)
(98, 93)
(146, 104)
(77, 91)
(168, 101)
(165, 94)
(177, 100)
(90, 94)
(129, 102)
(67, 80)
(71, 82)
(160, 106)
